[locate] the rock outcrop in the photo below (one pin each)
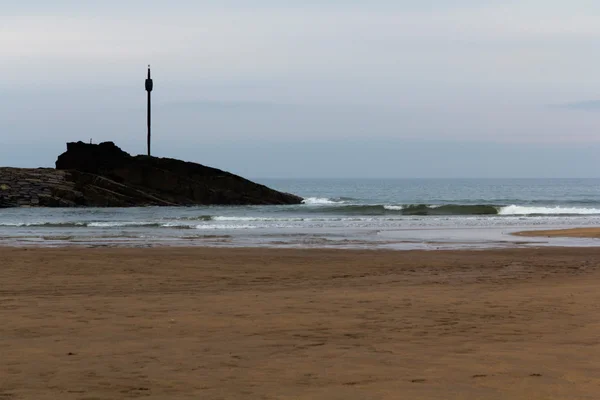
(103, 175)
(43, 187)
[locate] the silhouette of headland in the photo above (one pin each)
(103, 175)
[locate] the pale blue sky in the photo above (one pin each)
(327, 88)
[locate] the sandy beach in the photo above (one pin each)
(168, 323)
(592, 233)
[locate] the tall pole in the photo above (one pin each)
(149, 86)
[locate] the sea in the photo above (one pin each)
(401, 214)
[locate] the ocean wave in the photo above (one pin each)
(322, 201)
(259, 219)
(103, 224)
(118, 224)
(175, 225)
(450, 209)
(558, 210)
(394, 208)
(454, 210)
(196, 218)
(43, 224)
(225, 226)
(411, 209)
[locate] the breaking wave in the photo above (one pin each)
(411, 209)
(455, 209)
(197, 218)
(226, 226)
(117, 224)
(44, 224)
(317, 201)
(256, 219)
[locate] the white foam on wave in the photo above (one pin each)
(525, 210)
(320, 201)
(394, 208)
(176, 225)
(224, 226)
(42, 224)
(258, 219)
(118, 224)
(398, 208)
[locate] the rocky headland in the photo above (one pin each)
(103, 175)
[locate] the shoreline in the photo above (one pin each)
(426, 239)
(230, 323)
(580, 233)
(495, 240)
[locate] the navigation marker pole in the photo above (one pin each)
(149, 86)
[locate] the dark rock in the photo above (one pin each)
(104, 175)
(93, 158)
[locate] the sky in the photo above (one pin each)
(382, 89)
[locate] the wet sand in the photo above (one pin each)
(167, 323)
(592, 233)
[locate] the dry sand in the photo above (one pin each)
(593, 233)
(299, 324)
